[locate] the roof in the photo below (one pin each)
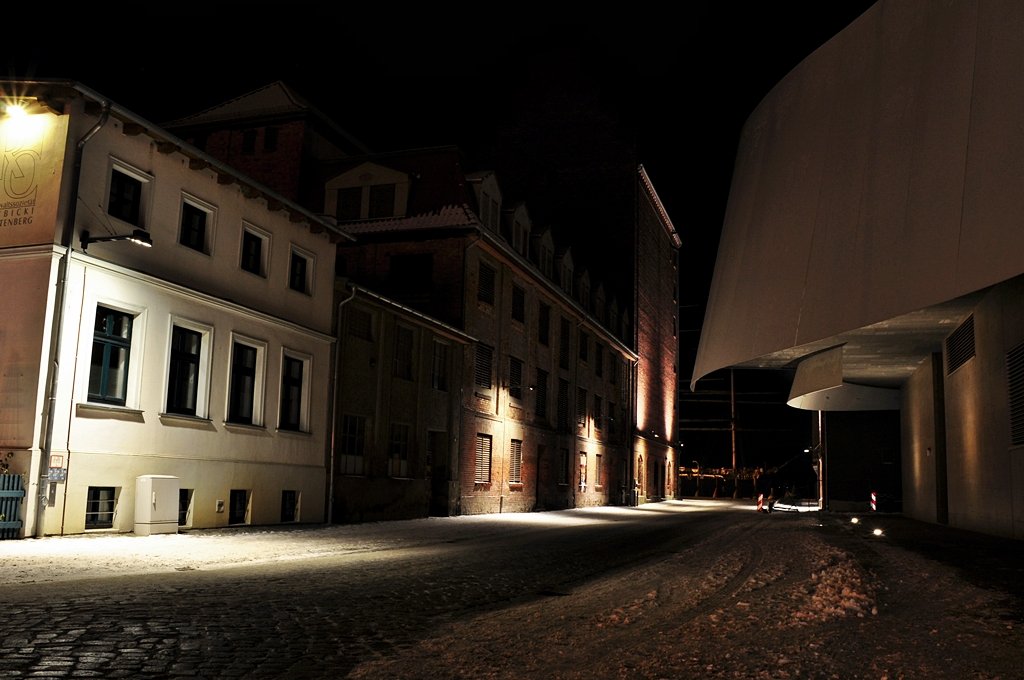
(459, 216)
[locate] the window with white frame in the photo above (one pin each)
(293, 414)
(300, 271)
(111, 354)
(245, 386)
(255, 250)
(100, 507)
(188, 368)
(128, 193)
(195, 230)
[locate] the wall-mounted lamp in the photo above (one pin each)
(138, 237)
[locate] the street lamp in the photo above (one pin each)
(138, 236)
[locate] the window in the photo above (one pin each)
(581, 406)
(289, 505)
(294, 411)
(482, 474)
(195, 223)
(245, 386)
(300, 272)
(403, 353)
(598, 471)
(515, 462)
(482, 366)
(185, 497)
(515, 378)
(255, 245)
(248, 142)
(360, 323)
(563, 403)
(584, 348)
(518, 304)
(612, 429)
(485, 284)
(543, 324)
(398, 450)
(546, 258)
(519, 237)
(352, 445)
(959, 345)
(100, 503)
(270, 136)
(125, 199)
(238, 507)
(382, 200)
(583, 470)
(350, 200)
(439, 367)
(183, 376)
(563, 344)
(563, 466)
(541, 392)
(598, 409)
(111, 349)
(598, 359)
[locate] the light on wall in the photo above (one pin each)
(138, 237)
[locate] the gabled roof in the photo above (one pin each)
(273, 100)
(457, 216)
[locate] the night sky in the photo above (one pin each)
(549, 102)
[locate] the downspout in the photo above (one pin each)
(334, 410)
(67, 234)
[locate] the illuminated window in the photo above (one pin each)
(403, 353)
(515, 462)
(111, 350)
(482, 468)
(398, 450)
(439, 367)
(485, 284)
(255, 247)
(294, 406)
(515, 378)
(100, 503)
(351, 444)
(289, 505)
(300, 272)
(125, 200)
(482, 366)
(196, 221)
(583, 470)
(245, 387)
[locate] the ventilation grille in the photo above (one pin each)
(1015, 380)
(960, 345)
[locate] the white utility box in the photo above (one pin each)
(156, 504)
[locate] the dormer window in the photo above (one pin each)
(519, 237)
(381, 201)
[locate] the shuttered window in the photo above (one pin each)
(960, 345)
(515, 462)
(515, 378)
(482, 366)
(483, 459)
(485, 284)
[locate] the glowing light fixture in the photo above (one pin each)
(15, 109)
(877, 532)
(854, 520)
(138, 237)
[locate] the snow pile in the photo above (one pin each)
(838, 588)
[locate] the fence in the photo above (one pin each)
(11, 493)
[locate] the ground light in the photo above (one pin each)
(855, 520)
(877, 532)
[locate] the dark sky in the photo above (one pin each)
(544, 99)
(523, 90)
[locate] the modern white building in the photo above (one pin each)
(205, 359)
(873, 243)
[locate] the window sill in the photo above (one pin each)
(181, 420)
(515, 486)
(295, 433)
(245, 427)
(92, 410)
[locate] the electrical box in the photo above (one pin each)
(156, 504)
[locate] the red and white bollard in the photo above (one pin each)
(760, 502)
(874, 501)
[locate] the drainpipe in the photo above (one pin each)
(334, 409)
(67, 234)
